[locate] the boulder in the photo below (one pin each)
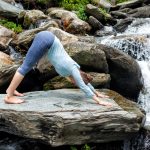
(96, 25)
(66, 117)
(30, 17)
(100, 80)
(88, 55)
(25, 38)
(141, 12)
(133, 45)
(95, 12)
(118, 14)
(130, 4)
(126, 76)
(7, 69)
(6, 36)
(70, 21)
(9, 11)
(122, 24)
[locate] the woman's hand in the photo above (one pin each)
(104, 103)
(98, 94)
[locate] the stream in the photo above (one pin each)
(135, 41)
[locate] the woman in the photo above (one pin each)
(47, 43)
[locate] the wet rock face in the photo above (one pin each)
(9, 11)
(126, 76)
(66, 117)
(141, 12)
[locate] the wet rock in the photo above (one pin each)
(101, 33)
(146, 2)
(25, 38)
(141, 12)
(66, 117)
(118, 14)
(122, 25)
(100, 80)
(9, 11)
(88, 55)
(96, 25)
(7, 69)
(10, 1)
(103, 17)
(30, 17)
(130, 4)
(96, 13)
(126, 77)
(70, 22)
(6, 36)
(133, 45)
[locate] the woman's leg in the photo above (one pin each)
(11, 89)
(40, 44)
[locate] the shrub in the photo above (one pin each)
(76, 5)
(11, 25)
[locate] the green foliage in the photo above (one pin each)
(76, 5)
(11, 25)
(73, 148)
(86, 147)
(103, 10)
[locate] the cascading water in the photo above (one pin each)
(135, 41)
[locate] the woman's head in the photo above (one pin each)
(86, 78)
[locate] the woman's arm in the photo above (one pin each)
(98, 94)
(80, 83)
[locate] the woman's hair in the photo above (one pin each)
(86, 78)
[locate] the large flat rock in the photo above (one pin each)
(62, 117)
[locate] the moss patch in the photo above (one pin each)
(11, 25)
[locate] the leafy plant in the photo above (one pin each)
(76, 5)
(11, 25)
(73, 148)
(86, 147)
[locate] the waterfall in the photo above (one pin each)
(135, 41)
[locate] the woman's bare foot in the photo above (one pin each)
(12, 100)
(104, 103)
(16, 93)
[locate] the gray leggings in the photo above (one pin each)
(41, 43)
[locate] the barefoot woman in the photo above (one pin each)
(47, 42)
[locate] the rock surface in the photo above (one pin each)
(7, 69)
(66, 117)
(9, 11)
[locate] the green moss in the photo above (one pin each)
(11, 25)
(76, 5)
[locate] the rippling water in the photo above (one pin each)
(135, 41)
